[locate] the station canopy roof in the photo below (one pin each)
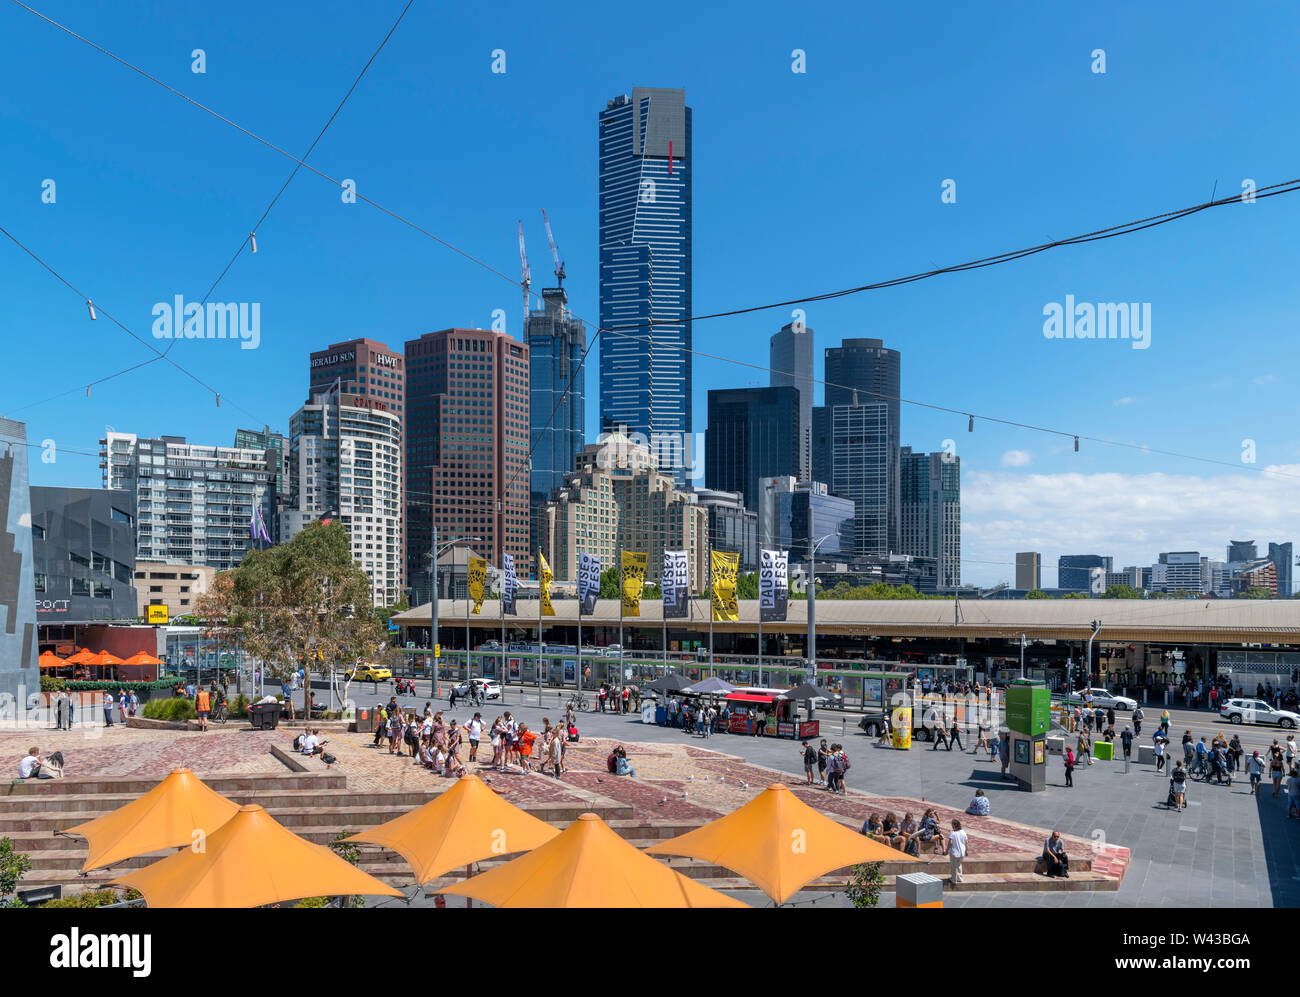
(1190, 621)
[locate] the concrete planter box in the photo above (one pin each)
(1146, 754)
(1056, 745)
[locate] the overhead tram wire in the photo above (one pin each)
(1152, 221)
(247, 239)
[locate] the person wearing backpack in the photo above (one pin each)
(1178, 786)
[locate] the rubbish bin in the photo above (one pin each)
(365, 721)
(1103, 751)
(264, 716)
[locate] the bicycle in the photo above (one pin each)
(577, 703)
(221, 714)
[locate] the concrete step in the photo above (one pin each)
(17, 791)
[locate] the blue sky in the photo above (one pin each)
(803, 183)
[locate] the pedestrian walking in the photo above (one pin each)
(1004, 752)
(1178, 786)
(823, 755)
(1069, 767)
(1138, 717)
(1275, 769)
(108, 712)
(1160, 742)
(954, 737)
(1255, 769)
(957, 846)
(1126, 741)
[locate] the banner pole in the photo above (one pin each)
(712, 595)
(760, 618)
(620, 614)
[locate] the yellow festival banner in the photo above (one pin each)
(722, 586)
(545, 577)
(477, 581)
(633, 581)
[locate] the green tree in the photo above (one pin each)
(747, 585)
(12, 866)
(305, 604)
(864, 889)
(1256, 592)
(1123, 592)
(1037, 594)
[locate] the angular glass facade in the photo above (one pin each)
(790, 355)
(645, 271)
(557, 400)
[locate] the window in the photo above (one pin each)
(38, 532)
(41, 581)
(121, 517)
(78, 560)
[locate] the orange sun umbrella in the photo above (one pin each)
(142, 658)
(250, 861)
(104, 658)
(49, 659)
(83, 657)
(176, 812)
(779, 843)
(465, 824)
(589, 865)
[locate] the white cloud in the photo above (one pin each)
(1126, 400)
(1133, 517)
(1016, 458)
(1266, 379)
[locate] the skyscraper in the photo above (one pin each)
(1029, 570)
(557, 397)
(1281, 556)
(753, 433)
(466, 447)
(362, 367)
(18, 666)
(645, 168)
(930, 513)
(863, 373)
(790, 355)
(345, 458)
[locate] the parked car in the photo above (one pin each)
(488, 688)
(1103, 698)
(369, 673)
(1256, 711)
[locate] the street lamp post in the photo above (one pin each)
(813, 547)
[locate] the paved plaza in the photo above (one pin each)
(1226, 849)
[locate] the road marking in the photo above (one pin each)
(1184, 827)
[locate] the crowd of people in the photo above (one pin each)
(439, 744)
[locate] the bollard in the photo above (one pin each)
(918, 889)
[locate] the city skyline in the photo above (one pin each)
(1021, 489)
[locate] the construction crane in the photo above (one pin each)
(555, 253)
(527, 280)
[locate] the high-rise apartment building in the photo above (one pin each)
(790, 355)
(1029, 570)
(646, 170)
(930, 511)
(192, 503)
(753, 433)
(467, 438)
(274, 445)
(345, 459)
(557, 399)
(623, 502)
(865, 374)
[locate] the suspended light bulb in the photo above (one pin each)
(218, 394)
(87, 390)
(970, 426)
(252, 238)
(91, 305)
(1076, 444)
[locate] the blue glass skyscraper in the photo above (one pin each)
(645, 271)
(557, 399)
